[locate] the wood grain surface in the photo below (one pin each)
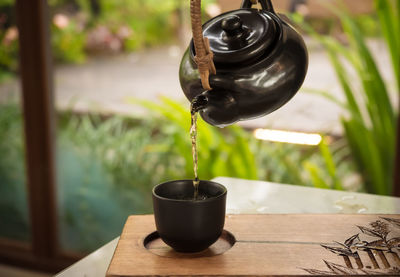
(271, 245)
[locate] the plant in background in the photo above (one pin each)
(150, 22)
(370, 127)
(105, 173)
(81, 27)
(221, 152)
(106, 167)
(234, 152)
(8, 40)
(326, 166)
(67, 39)
(13, 204)
(8, 52)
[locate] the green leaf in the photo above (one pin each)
(330, 165)
(315, 173)
(388, 13)
(370, 128)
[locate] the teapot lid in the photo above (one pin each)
(240, 35)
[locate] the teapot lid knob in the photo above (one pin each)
(231, 24)
(233, 30)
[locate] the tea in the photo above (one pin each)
(200, 196)
(193, 136)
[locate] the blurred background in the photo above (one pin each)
(123, 122)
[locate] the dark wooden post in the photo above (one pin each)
(37, 91)
(43, 252)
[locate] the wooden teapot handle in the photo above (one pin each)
(204, 55)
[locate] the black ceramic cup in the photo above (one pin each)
(185, 224)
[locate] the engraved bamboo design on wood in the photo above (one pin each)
(376, 257)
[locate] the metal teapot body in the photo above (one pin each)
(258, 71)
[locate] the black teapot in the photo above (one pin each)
(260, 61)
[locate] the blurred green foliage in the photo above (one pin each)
(132, 24)
(8, 58)
(106, 167)
(329, 26)
(13, 198)
(370, 127)
(145, 23)
(129, 25)
(234, 152)
(8, 40)
(68, 44)
(150, 21)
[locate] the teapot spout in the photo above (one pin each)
(199, 103)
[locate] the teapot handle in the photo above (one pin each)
(265, 4)
(204, 55)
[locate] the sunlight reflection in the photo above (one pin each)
(287, 136)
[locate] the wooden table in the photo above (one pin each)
(256, 197)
